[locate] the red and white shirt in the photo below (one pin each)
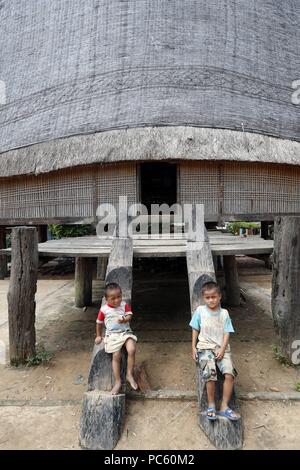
(109, 315)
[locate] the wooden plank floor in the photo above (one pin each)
(155, 245)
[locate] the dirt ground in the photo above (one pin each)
(161, 306)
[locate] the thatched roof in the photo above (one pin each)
(82, 67)
(153, 143)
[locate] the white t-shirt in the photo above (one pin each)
(212, 326)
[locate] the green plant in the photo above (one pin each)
(62, 231)
(234, 227)
(8, 240)
(297, 386)
(42, 356)
(280, 357)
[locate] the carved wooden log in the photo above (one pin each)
(21, 294)
(100, 374)
(83, 282)
(103, 413)
(200, 268)
(286, 283)
(119, 270)
(231, 281)
(101, 267)
(224, 434)
(101, 420)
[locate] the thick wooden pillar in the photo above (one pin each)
(286, 283)
(21, 294)
(264, 230)
(3, 258)
(83, 282)
(42, 233)
(101, 268)
(231, 280)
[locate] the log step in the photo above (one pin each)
(101, 420)
(223, 433)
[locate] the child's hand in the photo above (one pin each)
(98, 339)
(195, 354)
(220, 355)
(121, 320)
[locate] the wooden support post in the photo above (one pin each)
(3, 258)
(224, 434)
(286, 284)
(101, 267)
(42, 233)
(103, 413)
(21, 294)
(264, 230)
(83, 281)
(232, 281)
(215, 262)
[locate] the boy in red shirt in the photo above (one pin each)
(116, 316)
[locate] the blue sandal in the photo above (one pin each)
(229, 413)
(211, 410)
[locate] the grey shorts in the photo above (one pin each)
(208, 364)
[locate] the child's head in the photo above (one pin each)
(211, 294)
(113, 294)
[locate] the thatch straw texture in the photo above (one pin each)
(78, 67)
(158, 143)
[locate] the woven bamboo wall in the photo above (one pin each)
(241, 188)
(116, 180)
(58, 194)
(199, 183)
(63, 194)
(224, 188)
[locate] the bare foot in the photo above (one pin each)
(116, 388)
(132, 382)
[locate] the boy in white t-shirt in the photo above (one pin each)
(210, 346)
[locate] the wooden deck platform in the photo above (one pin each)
(155, 245)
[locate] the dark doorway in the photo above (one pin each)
(158, 183)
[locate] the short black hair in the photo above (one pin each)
(210, 285)
(111, 286)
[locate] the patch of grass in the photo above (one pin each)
(234, 227)
(42, 356)
(280, 357)
(62, 231)
(14, 363)
(297, 386)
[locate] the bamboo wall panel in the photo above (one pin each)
(68, 193)
(199, 183)
(224, 188)
(253, 188)
(57, 194)
(116, 180)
